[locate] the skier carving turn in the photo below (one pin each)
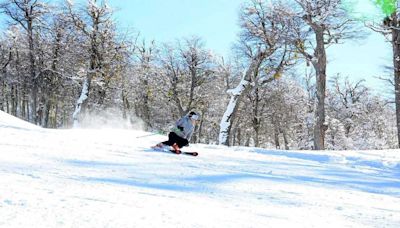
(180, 134)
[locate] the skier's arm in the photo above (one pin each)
(178, 128)
(189, 135)
(179, 123)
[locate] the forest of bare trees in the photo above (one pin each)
(70, 65)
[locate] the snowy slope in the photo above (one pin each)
(109, 178)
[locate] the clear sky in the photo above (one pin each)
(362, 59)
(216, 21)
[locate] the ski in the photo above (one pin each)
(186, 153)
(172, 151)
(191, 153)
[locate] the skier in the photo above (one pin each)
(181, 133)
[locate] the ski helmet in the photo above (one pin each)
(194, 116)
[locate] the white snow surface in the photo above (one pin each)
(110, 178)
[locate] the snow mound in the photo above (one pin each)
(9, 121)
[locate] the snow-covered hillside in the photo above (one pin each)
(110, 178)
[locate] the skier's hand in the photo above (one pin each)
(180, 128)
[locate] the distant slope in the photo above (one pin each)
(9, 121)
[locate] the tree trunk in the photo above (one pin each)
(236, 95)
(200, 128)
(34, 91)
(146, 103)
(46, 112)
(256, 119)
(82, 101)
(229, 115)
(276, 136)
(3, 94)
(257, 136)
(396, 64)
(285, 139)
(320, 69)
(24, 103)
(53, 121)
(248, 139)
(6, 93)
(125, 105)
(14, 100)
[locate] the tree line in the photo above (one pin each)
(65, 65)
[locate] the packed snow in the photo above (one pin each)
(110, 178)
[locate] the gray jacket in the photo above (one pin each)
(184, 128)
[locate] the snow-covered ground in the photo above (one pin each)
(109, 178)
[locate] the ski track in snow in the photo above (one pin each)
(110, 178)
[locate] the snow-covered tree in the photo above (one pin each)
(327, 22)
(188, 68)
(263, 42)
(361, 118)
(286, 107)
(391, 29)
(335, 135)
(29, 15)
(97, 27)
(142, 81)
(346, 99)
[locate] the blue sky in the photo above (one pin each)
(216, 21)
(362, 59)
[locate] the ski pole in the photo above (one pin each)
(143, 136)
(148, 135)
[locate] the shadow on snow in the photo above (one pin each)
(383, 180)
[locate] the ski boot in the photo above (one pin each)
(158, 146)
(176, 149)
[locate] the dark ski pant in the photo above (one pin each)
(174, 138)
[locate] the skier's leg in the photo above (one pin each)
(159, 146)
(170, 142)
(182, 142)
(171, 139)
